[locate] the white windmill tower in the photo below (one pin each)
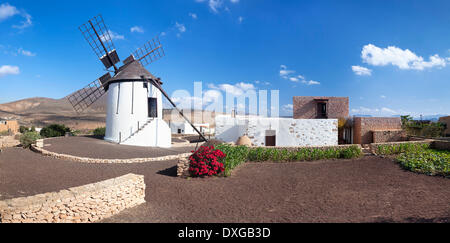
(134, 101)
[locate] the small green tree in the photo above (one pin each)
(29, 138)
(54, 130)
(100, 132)
(23, 129)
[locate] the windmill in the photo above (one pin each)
(134, 95)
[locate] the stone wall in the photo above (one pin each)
(389, 136)
(305, 107)
(8, 141)
(446, 120)
(183, 167)
(363, 127)
(88, 203)
(442, 145)
(288, 132)
(44, 152)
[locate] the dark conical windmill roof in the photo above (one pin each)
(131, 71)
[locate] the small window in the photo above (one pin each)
(322, 110)
(152, 107)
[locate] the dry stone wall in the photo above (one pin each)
(44, 152)
(89, 203)
(389, 136)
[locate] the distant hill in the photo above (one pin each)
(43, 111)
(431, 117)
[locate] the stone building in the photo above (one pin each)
(274, 131)
(9, 126)
(446, 120)
(313, 107)
(368, 130)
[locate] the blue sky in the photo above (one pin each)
(390, 57)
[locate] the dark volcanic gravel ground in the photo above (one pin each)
(367, 190)
(97, 148)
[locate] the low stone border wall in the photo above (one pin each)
(105, 161)
(441, 144)
(183, 167)
(8, 141)
(88, 203)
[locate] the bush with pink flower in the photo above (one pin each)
(206, 162)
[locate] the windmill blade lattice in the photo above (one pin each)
(85, 97)
(150, 52)
(99, 38)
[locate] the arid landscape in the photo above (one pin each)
(40, 112)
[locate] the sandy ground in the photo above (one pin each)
(97, 148)
(366, 190)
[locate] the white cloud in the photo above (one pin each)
(234, 1)
(289, 108)
(403, 59)
(7, 11)
(26, 53)
(361, 71)
(9, 70)
(312, 82)
(26, 23)
(383, 97)
(137, 29)
(113, 35)
(236, 89)
(181, 28)
(284, 72)
(287, 74)
(241, 19)
(193, 15)
(214, 5)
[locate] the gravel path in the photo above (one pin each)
(366, 190)
(100, 149)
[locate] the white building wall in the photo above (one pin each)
(289, 132)
(127, 111)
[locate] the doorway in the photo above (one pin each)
(271, 138)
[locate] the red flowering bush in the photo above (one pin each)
(205, 162)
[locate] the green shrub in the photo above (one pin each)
(5, 133)
(237, 155)
(392, 149)
(427, 161)
(29, 138)
(24, 129)
(54, 130)
(100, 132)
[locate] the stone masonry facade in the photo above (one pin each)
(305, 107)
(389, 136)
(446, 120)
(364, 127)
(89, 203)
